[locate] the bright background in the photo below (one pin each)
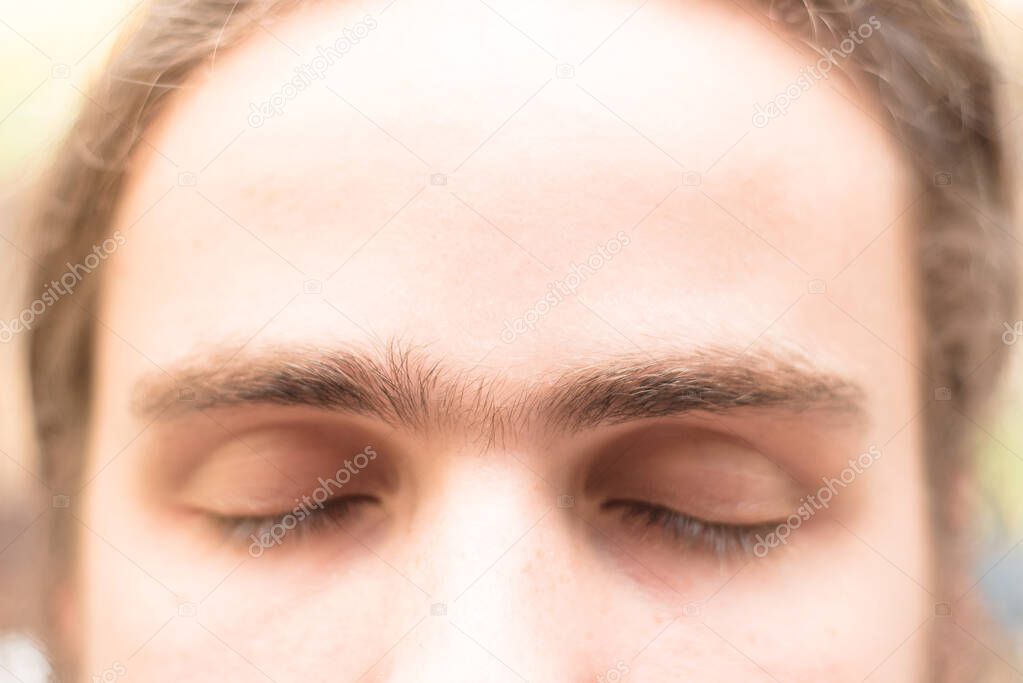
(48, 51)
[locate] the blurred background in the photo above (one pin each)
(48, 50)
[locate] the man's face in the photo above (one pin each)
(522, 343)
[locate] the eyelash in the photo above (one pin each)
(722, 539)
(690, 532)
(333, 513)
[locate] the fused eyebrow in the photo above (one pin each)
(405, 387)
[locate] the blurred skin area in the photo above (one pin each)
(485, 540)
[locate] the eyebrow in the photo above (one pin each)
(403, 386)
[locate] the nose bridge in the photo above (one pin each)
(493, 555)
(488, 510)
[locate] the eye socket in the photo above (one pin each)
(676, 488)
(303, 521)
(689, 532)
(274, 477)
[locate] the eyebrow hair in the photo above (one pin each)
(403, 386)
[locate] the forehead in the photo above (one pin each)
(449, 171)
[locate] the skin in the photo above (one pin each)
(462, 559)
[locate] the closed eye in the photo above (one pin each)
(301, 521)
(719, 538)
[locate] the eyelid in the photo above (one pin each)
(700, 473)
(304, 520)
(295, 443)
(704, 503)
(724, 540)
(268, 468)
